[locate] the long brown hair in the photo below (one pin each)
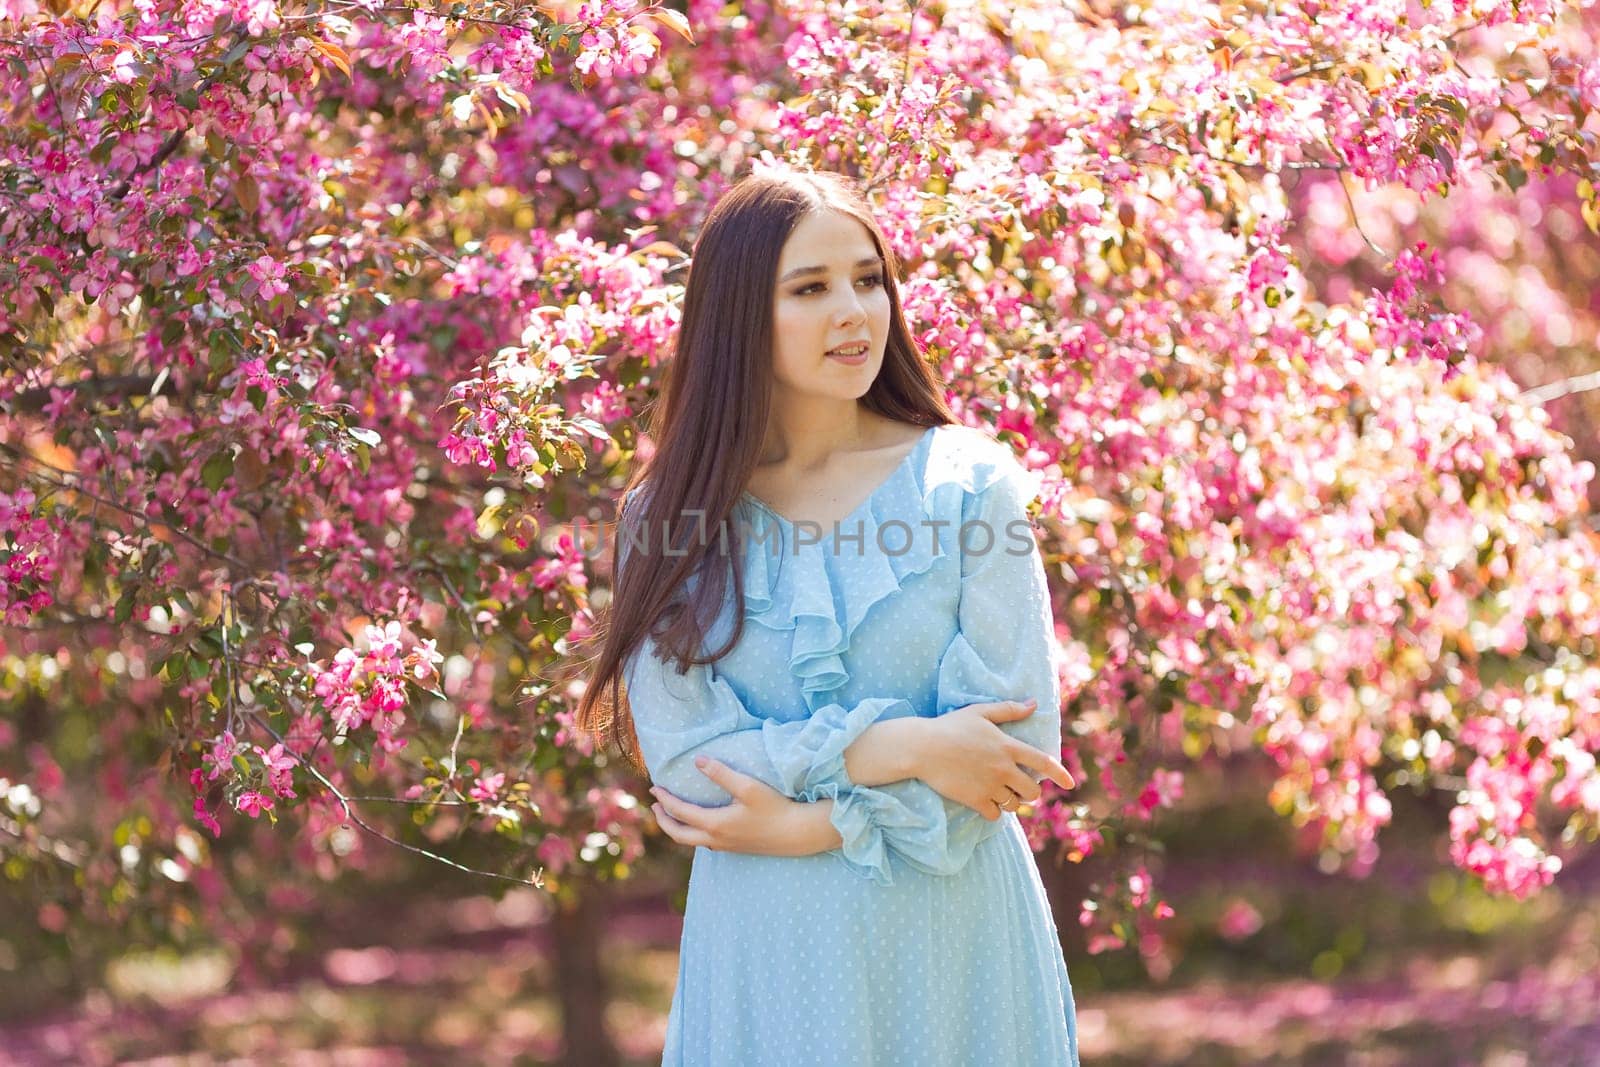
(709, 427)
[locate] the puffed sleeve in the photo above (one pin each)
(1004, 649)
(679, 716)
(697, 713)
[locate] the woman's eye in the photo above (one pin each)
(871, 280)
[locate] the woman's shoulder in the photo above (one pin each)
(975, 460)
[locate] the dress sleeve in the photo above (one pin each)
(697, 713)
(1004, 649)
(678, 716)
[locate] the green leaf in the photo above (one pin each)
(125, 605)
(217, 469)
(1516, 177)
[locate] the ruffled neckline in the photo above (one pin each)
(821, 591)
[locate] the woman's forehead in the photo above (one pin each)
(826, 238)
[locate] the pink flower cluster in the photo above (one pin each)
(367, 686)
(582, 300)
(255, 777)
(28, 540)
(1525, 750)
(609, 47)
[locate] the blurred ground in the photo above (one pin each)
(1269, 961)
(471, 983)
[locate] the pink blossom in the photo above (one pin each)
(279, 766)
(253, 803)
(1589, 84)
(219, 758)
(60, 400)
(1239, 920)
(488, 787)
(205, 818)
(269, 273)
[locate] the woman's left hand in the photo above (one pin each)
(760, 821)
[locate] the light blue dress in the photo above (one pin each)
(926, 939)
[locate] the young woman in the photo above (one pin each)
(831, 618)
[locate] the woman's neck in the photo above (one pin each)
(807, 441)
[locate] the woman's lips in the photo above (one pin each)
(852, 360)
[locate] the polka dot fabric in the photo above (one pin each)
(926, 939)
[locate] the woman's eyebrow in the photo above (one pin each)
(869, 261)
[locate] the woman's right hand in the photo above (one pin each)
(964, 755)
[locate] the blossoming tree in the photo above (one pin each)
(326, 324)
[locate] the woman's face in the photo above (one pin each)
(830, 296)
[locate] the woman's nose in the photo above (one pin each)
(852, 311)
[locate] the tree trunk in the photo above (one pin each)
(580, 980)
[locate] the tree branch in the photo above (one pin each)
(244, 568)
(120, 386)
(1582, 383)
(536, 881)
